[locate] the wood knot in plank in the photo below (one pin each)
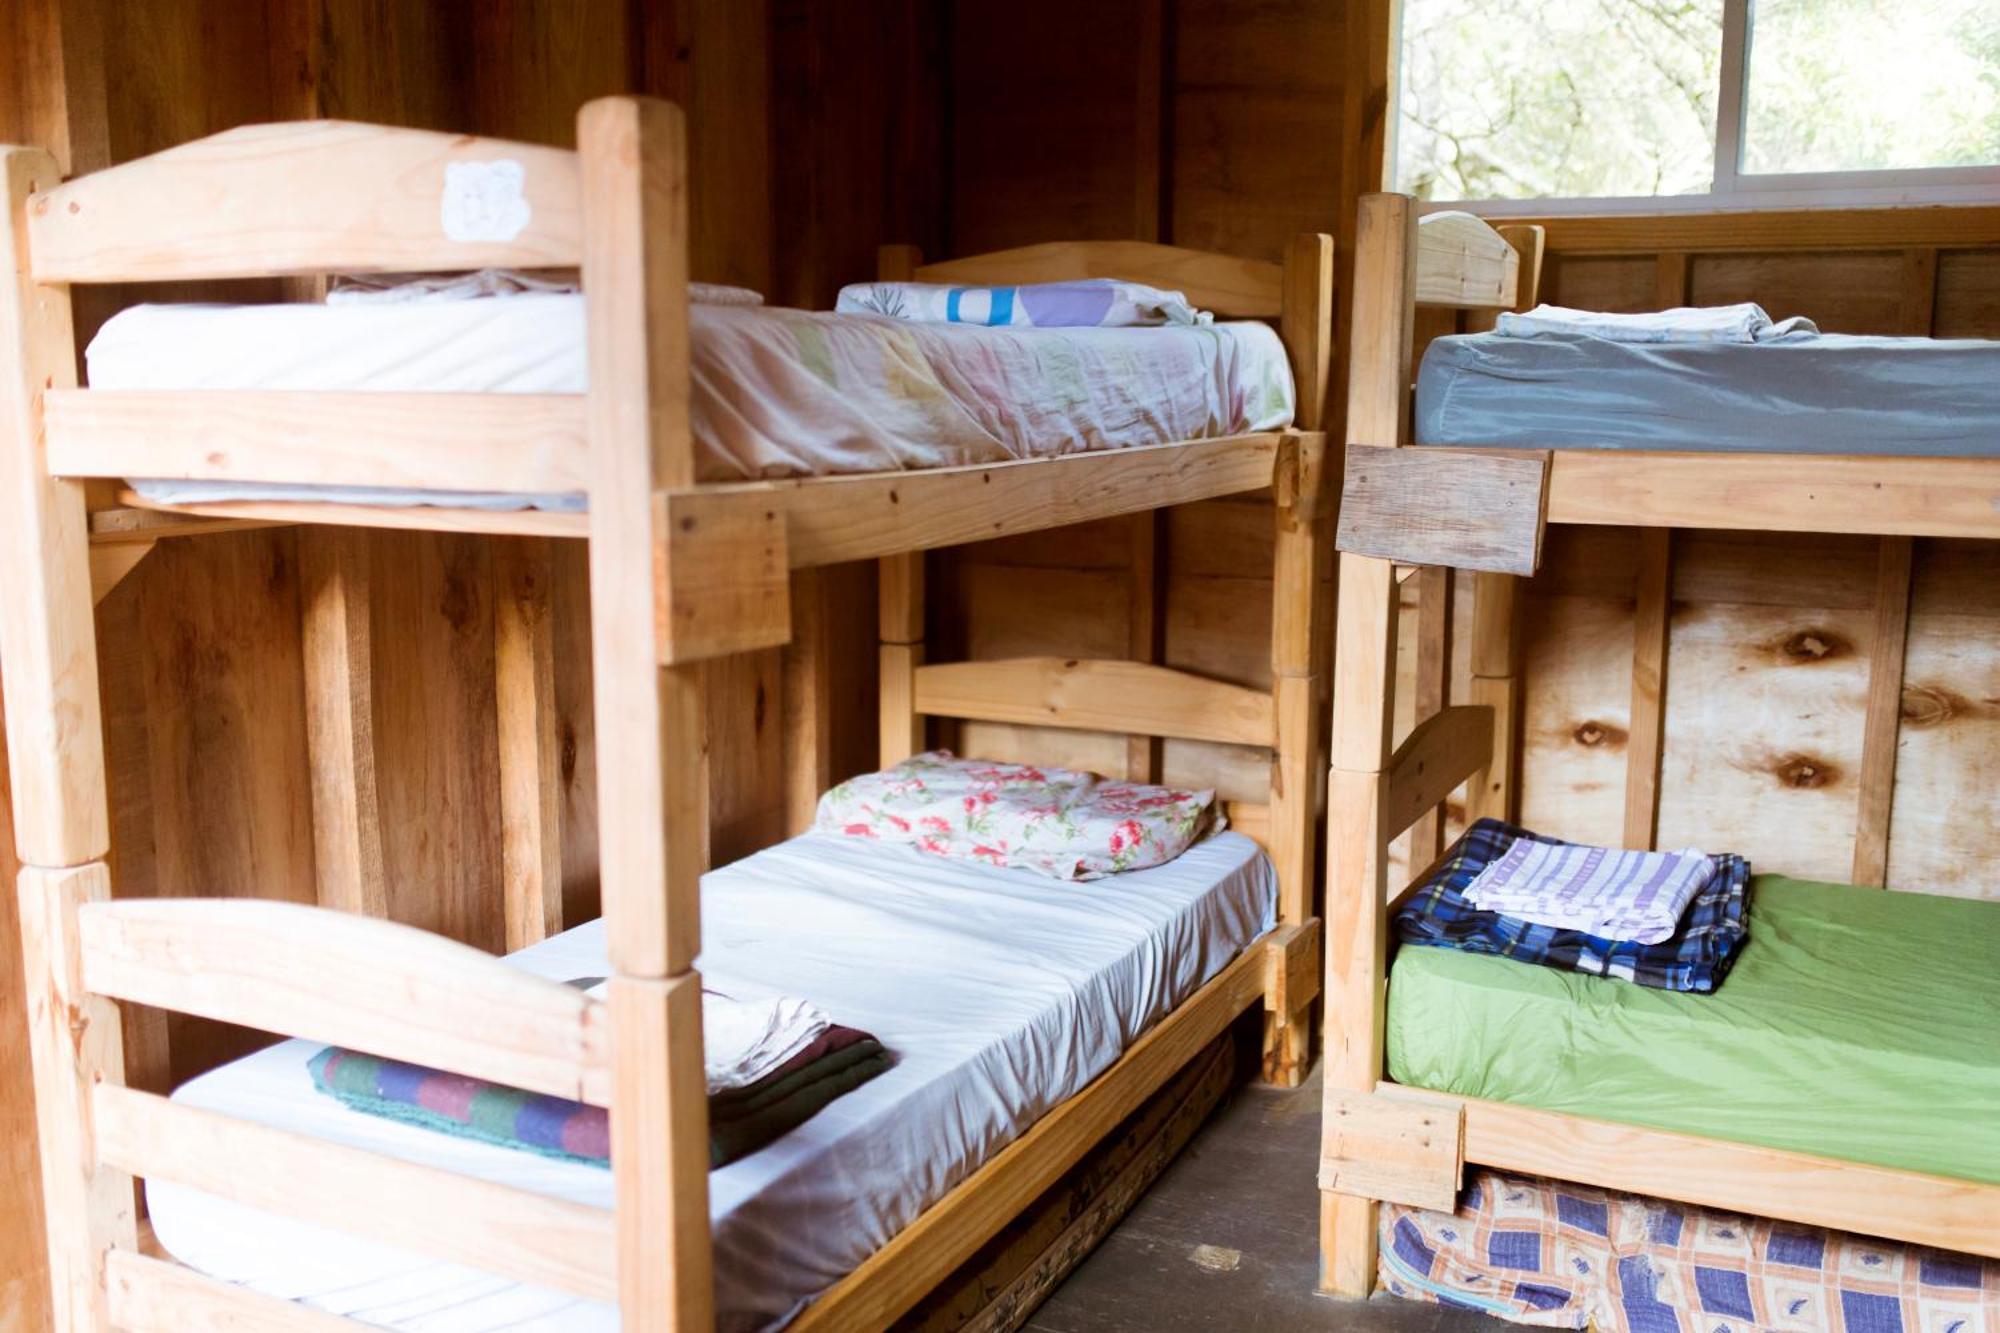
(1804, 772)
(1813, 645)
(1932, 705)
(1595, 734)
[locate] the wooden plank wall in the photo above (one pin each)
(1771, 637)
(1189, 122)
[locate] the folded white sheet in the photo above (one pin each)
(1745, 323)
(743, 1040)
(1601, 891)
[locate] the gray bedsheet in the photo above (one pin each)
(1818, 393)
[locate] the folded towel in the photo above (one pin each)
(1602, 891)
(1745, 323)
(1085, 303)
(740, 1121)
(1695, 959)
(745, 1040)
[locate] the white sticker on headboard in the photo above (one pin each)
(484, 201)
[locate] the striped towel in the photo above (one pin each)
(1601, 891)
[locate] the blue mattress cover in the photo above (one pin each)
(1811, 393)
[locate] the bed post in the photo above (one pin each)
(1364, 677)
(652, 787)
(1298, 636)
(900, 595)
(1496, 612)
(55, 744)
(524, 688)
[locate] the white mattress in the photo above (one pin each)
(1000, 993)
(776, 392)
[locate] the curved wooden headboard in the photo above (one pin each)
(1231, 286)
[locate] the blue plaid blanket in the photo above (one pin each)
(1695, 958)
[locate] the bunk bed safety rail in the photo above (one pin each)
(312, 197)
(352, 981)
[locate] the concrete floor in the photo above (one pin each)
(1228, 1239)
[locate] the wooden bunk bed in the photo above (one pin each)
(682, 572)
(1433, 509)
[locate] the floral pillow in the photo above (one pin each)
(1054, 821)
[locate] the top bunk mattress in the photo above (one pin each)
(1857, 1023)
(1807, 394)
(776, 392)
(1000, 993)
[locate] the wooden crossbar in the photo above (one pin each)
(462, 1219)
(1445, 749)
(373, 985)
(1096, 695)
(518, 443)
(1229, 285)
(312, 197)
(148, 1295)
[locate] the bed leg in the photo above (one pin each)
(1291, 984)
(1346, 1245)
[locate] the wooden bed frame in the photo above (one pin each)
(681, 573)
(1409, 1145)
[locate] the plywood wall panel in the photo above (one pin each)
(1946, 808)
(1600, 282)
(1847, 292)
(1968, 294)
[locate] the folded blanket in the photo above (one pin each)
(1103, 303)
(1745, 323)
(1054, 821)
(1696, 958)
(741, 1120)
(412, 288)
(1618, 895)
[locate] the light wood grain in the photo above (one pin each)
(524, 443)
(55, 729)
(1397, 1149)
(1647, 731)
(1379, 362)
(1444, 750)
(336, 622)
(941, 1237)
(109, 565)
(307, 197)
(900, 618)
(1912, 497)
(352, 981)
(233, 515)
(1887, 646)
(75, 1045)
(530, 758)
(457, 1218)
(1467, 509)
(1958, 1215)
(1306, 324)
(1464, 262)
(1229, 285)
(1436, 598)
(1096, 696)
(151, 1295)
(724, 584)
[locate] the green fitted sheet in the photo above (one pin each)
(1856, 1024)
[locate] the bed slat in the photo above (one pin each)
(518, 443)
(462, 1219)
(312, 197)
(158, 1296)
(376, 986)
(1096, 695)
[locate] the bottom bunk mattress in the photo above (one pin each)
(1000, 994)
(1855, 1024)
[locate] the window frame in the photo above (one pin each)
(1732, 189)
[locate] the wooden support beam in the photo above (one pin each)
(149, 1295)
(808, 670)
(1427, 767)
(1095, 695)
(1670, 279)
(55, 731)
(75, 1045)
(1654, 604)
(530, 750)
(1491, 792)
(110, 563)
(901, 614)
(335, 614)
(1919, 305)
(1434, 626)
(1144, 637)
(1393, 1145)
(1885, 709)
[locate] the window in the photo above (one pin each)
(1698, 103)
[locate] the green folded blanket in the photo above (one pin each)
(741, 1120)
